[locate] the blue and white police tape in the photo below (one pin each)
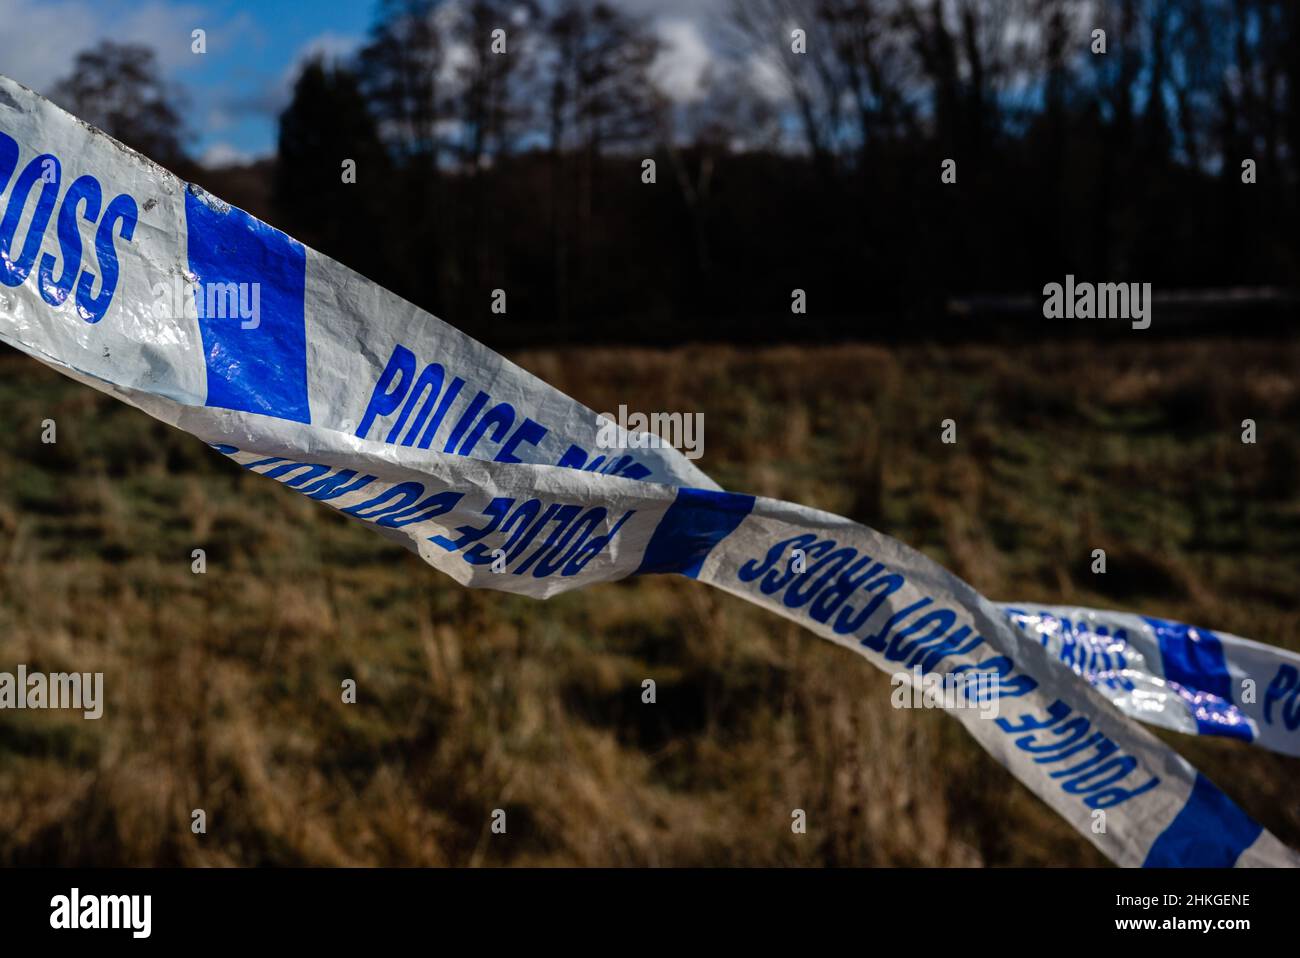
(1176, 676)
(299, 369)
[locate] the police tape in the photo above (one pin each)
(1176, 676)
(298, 369)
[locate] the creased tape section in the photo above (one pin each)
(347, 394)
(1173, 675)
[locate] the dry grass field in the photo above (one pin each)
(223, 689)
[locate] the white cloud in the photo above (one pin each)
(456, 57)
(766, 76)
(223, 154)
(41, 38)
(330, 45)
(680, 66)
(167, 28)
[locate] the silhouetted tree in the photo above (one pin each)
(488, 108)
(401, 70)
(599, 95)
(118, 88)
(326, 125)
(817, 170)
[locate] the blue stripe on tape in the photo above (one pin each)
(1195, 666)
(1209, 832)
(697, 521)
(256, 364)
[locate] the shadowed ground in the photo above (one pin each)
(223, 690)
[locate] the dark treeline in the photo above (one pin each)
(817, 170)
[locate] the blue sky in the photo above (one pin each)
(236, 90)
